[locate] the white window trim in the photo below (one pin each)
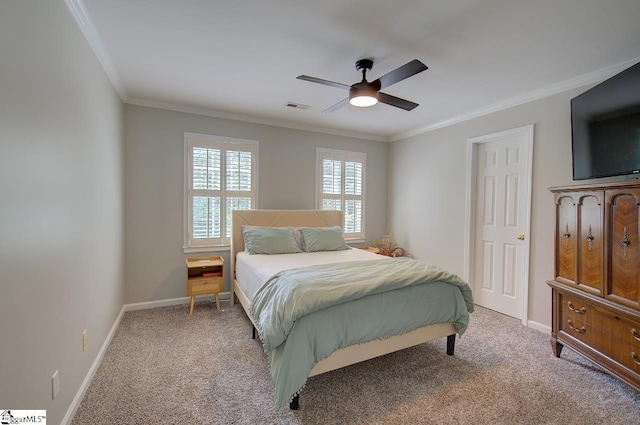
(211, 140)
(322, 153)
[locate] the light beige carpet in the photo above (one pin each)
(166, 367)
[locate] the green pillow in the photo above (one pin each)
(323, 239)
(270, 240)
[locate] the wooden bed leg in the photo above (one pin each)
(293, 405)
(451, 344)
(253, 332)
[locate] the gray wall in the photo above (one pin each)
(154, 176)
(427, 189)
(61, 205)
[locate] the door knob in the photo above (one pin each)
(520, 237)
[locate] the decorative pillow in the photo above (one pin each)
(323, 239)
(270, 240)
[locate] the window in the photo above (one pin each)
(220, 176)
(340, 177)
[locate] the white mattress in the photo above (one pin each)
(252, 271)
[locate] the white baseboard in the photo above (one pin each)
(73, 408)
(92, 371)
(172, 301)
(539, 327)
(156, 304)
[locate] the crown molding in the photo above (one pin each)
(570, 84)
(252, 119)
(86, 25)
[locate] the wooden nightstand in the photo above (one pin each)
(205, 275)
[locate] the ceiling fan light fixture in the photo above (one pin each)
(364, 93)
(363, 96)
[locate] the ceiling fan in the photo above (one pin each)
(366, 93)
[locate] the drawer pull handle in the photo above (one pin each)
(634, 356)
(572, 308)
(573, 328)
(566, 236)
(625, 242)
(635, 334)
(590, 238)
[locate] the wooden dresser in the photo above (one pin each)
(596, 289)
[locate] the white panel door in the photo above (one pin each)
(502, 192)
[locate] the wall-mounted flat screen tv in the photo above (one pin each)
(605, 127)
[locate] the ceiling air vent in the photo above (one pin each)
(295, 105)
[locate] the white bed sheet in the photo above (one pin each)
(253, 271)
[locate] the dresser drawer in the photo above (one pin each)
(580, 330)
(204, 286)
(621, 328)
(626, 354)
(575, 308)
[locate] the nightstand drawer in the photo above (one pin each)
(205, 286)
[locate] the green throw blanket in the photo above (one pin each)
(303, 315)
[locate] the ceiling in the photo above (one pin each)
(239, 58)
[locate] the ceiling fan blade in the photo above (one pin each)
(397, 102)
(338, 105)
(325, 82)
(405, 71)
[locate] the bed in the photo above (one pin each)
(254, 276)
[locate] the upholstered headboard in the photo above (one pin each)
(278, 218)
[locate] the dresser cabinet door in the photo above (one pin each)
(623, 268)
(591, 246)
(566, 240)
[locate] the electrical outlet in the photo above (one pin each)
(55, 385)
(84, 340)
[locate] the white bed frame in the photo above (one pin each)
(344, 356)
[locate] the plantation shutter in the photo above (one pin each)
(221, 178)
(341, 187)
